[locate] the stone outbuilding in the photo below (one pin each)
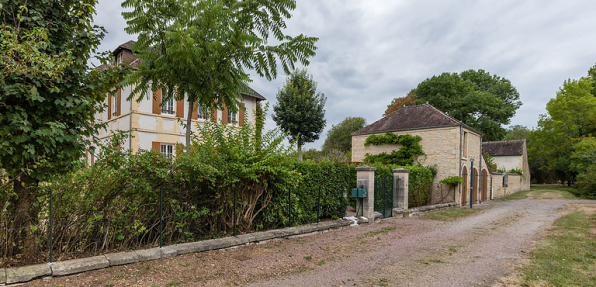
(508, 155)
(452, 146)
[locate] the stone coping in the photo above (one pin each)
(421, 209)
(68, 267)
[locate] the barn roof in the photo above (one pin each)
(502, 148)
(411, 118)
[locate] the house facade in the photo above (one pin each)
(450, 145)
(155, 123)
(508, 155)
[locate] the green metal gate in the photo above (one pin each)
(384, 195)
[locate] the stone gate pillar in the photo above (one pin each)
(400, 188)
(365, 178)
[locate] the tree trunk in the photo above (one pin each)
(23, 214)
(191, 106)
(299, 150)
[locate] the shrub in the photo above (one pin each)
(586, 182)
(407, 154)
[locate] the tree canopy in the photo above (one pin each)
(398, 103)
(339, 137)
(300, 109)
(517, 132)
(483, 101)
(48, 98)
(204, 50)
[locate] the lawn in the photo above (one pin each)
(451, 213)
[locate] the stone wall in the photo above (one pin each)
(515, 184)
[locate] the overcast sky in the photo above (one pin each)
(370, 52)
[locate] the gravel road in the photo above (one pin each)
(473, 251)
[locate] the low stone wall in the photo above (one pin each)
(515, 184)
(68, 267)
(442, 193)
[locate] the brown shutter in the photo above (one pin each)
(195, 111)
(156, 146)
(92, 159)
(224, 115)
(241, 115)
(214, 116)
(119, 102)
(157, 102)
(180, 109)
(109, 106)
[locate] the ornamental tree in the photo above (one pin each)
(300, 109)
(48, 99)
(204, 50)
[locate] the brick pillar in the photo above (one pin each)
(400, 188)
(365, 178)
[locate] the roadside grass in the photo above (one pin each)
(450, 213)
(515, 196)
(384, 230)
(545, 191)
(567, 257)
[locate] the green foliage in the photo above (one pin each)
(584, 154)
(300, 109)
(483, 101)
(204, 50)
(490, 162)
(516, 132)
(339, 137)
(516, 170)
(558, 147)
(48, 98)
(407, 154)
(452, 180)
(586, 182)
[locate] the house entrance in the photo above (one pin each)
(384, 194)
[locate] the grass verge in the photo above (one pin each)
(515, 196)
(567, 257)
(450, 213)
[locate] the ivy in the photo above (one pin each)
(452, 180)
(406, 155)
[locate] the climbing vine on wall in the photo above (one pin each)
(406, 155)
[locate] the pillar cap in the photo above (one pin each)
(366, 168)
(401, 170)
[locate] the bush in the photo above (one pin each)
(586, 182)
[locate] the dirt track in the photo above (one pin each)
(474, 251)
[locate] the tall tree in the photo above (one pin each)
(339, 137)
(203, 50)
(398, 103)
(517, 132)
(300, 109)
(49, 96)
(483, 101)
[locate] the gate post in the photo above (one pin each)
(365, 178)
(400, 188)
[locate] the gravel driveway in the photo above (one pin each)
(473, 251)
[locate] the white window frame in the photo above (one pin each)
(167, 106)
(203, 112)
(167, 149)
(232, 117)
(115, 105)
(119, 59)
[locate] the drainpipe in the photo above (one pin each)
(471, 182)
(461, 135)
(480, 173)
(130, 126)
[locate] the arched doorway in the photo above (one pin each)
(464, 186)
(484, 185)
(475, 187)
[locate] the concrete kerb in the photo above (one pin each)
(28, 273)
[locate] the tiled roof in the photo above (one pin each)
(501, 148)
(411, 118)
(127, 46)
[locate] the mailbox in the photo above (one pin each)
(359, 193)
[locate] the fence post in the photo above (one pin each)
(319, 205)
(401, 176)
(160, 217)
(51, 226)
(235, 198)
(365, 178)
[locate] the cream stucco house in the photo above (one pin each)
(454, 147)
(154, 123)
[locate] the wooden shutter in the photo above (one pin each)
(180, 109)
(224, 115)
(179, 149)
(156, 146)
(157, 102)
(92, 159)
(241, 115)
(119, 102)
(195, 111)
(109, 106)
(214, 116)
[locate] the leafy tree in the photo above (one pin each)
(49, 97)
(300, 109)
(563, 134)
(483, 101)
(398, 103)
(517, 132)
(203, 50)
(584, 155)
(339, 137)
